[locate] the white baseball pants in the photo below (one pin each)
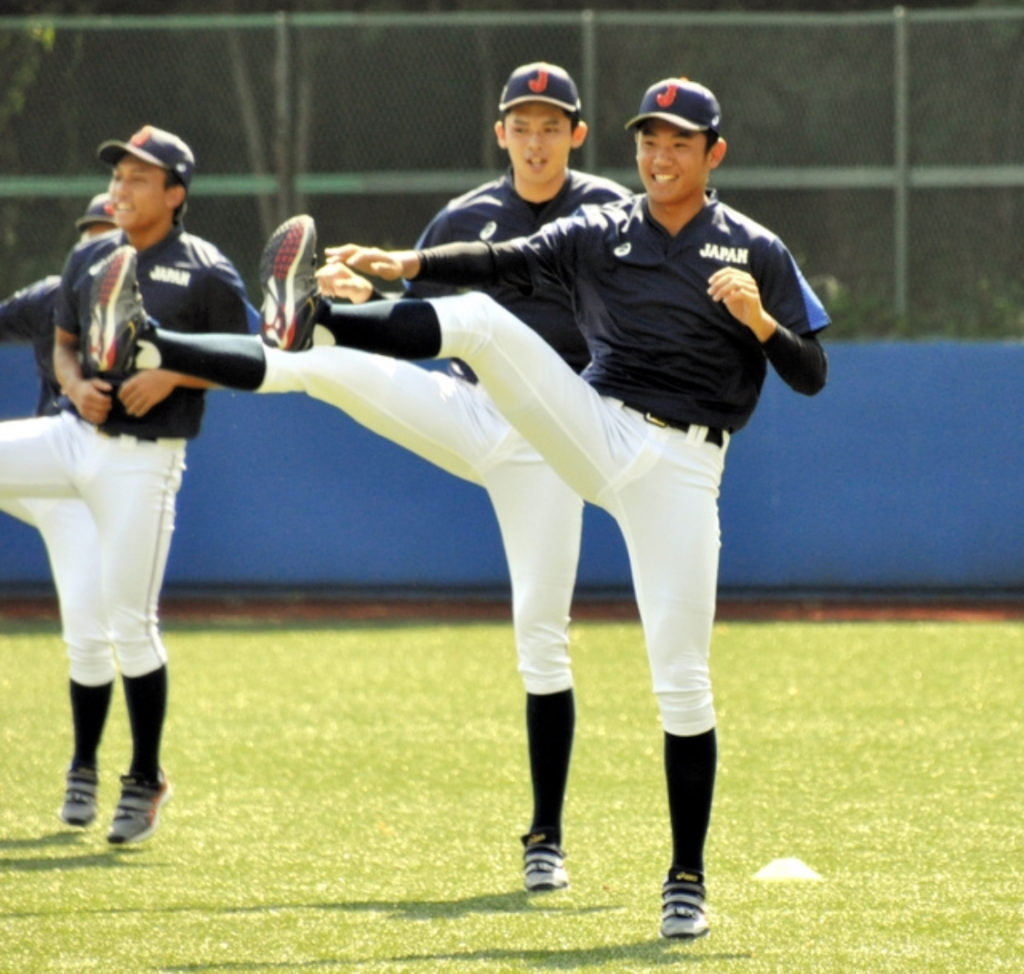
(72, 546)
(129, 487)
(660, 484)
(455, 425)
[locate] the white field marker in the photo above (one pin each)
(780, 869)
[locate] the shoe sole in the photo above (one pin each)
(685, 936)
(78, 823)
(546, 881)
(104, 350)
(153, 823)
(284, 254)
(547, 887)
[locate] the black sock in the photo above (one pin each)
(234, 361)
(89, 708)
(146, 698)
(406, 329)
(690, 773)
(550, 721)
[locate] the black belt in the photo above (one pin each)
(130, 436)
(715, 435)
(141, 438)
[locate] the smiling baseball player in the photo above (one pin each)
(683, 302)
(118, 443)
(450, 420)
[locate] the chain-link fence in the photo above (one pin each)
(886, 149)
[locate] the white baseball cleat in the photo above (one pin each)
(683, 910)
(543, 864)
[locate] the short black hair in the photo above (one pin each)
(171, 179)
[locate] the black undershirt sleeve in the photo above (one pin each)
(799, 359)
(473, 262)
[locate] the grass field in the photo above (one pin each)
(350, 798)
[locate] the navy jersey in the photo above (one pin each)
(187, 285)
(657, 341)
(27, 316)
(494, 212)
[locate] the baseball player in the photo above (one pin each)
(683, 302)
(27, 315)
(451, 421)
(66, 526)
(119, 443)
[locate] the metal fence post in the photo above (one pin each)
(588, 42)
(901, 188)
(282, 118)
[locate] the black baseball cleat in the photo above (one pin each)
(116, 314)
(288, 279)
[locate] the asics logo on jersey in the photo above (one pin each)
(170, 275)
(727, 255)
(623, 250)
(666, 97)
(488, 230)
(538, 84)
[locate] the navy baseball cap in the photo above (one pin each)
(540, 81)
(99, 210)
(157, 147)
(681, 102)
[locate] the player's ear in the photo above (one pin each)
(499, 133)
(717, 152)
(579, 134)
(175, 195)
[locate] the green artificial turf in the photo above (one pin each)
(350, 799)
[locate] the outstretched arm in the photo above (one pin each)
(460, 264)
(390, 265)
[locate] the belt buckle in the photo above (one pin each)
(655, 420)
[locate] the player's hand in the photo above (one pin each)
(91, 398)
(390, 265)
(337, 280)
(738, 291)
(142, 391)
